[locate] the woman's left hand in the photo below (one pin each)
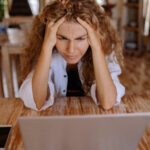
(93, 35)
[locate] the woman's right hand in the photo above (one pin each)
(50, 33)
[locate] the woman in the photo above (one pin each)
(73, 51)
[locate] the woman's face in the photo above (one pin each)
(72, 41)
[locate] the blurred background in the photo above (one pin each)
(131, 19)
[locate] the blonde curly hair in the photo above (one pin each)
(88, 10)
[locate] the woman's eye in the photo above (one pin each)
(81, 39)
(61, 38)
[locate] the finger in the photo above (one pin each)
(50, 23)
(60, 21)
(83, 23)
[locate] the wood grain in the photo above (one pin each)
(11, 109)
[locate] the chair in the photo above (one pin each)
(9, 73)
(9, 51)
(1, 88)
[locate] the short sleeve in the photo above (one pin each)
(26, 94)
(115, 71)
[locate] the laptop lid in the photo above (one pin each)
(84, 132)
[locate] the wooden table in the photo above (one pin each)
(11, 109)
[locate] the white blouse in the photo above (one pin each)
(58, 82)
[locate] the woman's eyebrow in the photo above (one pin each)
(75, 38)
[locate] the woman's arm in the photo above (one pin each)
(115, 71)
(40, 77)
(41, 74)
(105, 88)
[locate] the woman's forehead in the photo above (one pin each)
(71, 28)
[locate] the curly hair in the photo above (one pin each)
(88, 10)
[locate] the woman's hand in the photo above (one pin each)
(93, 36)
(50, 33)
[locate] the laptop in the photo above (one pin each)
(84, 132)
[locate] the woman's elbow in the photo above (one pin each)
(38, 106)
(40, 100)
(108, 103)
(108, 106)
(39, 103)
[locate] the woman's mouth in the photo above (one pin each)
(70, 57)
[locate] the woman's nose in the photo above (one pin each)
(70, 47)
